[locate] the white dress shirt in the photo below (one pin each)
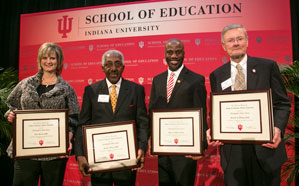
(117, 86)
(176, 74)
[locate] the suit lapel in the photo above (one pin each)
(252, 73)
(102, 88)
(226, 74)
(163, 84)
(123, 94)
(178, 83)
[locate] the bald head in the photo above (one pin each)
(174, 54)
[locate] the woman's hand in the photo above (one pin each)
(70, 146)
(11, 116)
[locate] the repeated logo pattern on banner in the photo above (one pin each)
(139, 31)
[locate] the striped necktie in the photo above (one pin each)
(170, 86)
(240, 79)
(113, 97)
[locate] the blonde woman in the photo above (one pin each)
(44, 90)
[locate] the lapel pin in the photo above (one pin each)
(253, 70)
(179, 81)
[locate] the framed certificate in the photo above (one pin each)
(40, 133)
(110, 146)
(177, 132)
(242, 117)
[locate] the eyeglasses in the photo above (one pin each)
(110, 65)
(233, 40)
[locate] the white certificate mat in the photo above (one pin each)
(242, 117)
(110, 146)
(177, 132)
(40, 133)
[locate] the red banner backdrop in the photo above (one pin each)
(139, 31)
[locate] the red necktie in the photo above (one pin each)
(170, 86)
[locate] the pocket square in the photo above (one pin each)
(131, 106)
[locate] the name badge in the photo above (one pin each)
(103, 98)
(227, 83)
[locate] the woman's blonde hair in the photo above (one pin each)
(47, 49)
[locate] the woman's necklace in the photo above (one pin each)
(49, 82)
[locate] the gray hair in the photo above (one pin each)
(230, 27)
(113, 52)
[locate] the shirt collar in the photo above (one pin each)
(243, 62)
(117, 84)
(177, 72)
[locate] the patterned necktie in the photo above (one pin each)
(113, 97)
(170, 86)
(240, 79)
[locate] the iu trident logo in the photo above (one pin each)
(64, 29)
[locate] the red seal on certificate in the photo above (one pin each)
(240, 126)
(111, 156)
(41, 142)
(176, 140)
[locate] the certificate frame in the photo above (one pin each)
(181, 139)
(242, 117)
(110, 146)
(40, 133)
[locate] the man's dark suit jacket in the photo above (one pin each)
(188, 92)
(261, 74)
(130, 106)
